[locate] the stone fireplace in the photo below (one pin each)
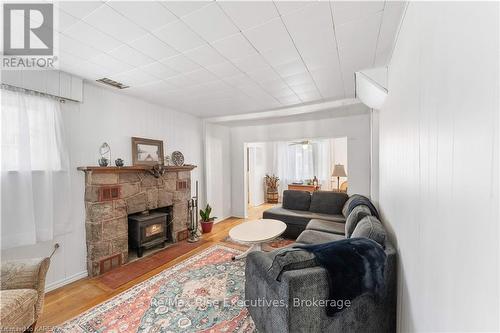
(112, 193)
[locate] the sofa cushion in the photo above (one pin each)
(370, 227)
(327, 217)
(345, 208)
(317, 237)
(328, 202)
(354, 217)
(326, 226)
(288, 259)
(17, 307)
(296, 200)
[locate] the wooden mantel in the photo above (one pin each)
(114, 169)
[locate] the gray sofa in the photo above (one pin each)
(300, 207)
(303, 281)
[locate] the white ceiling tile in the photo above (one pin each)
(114, 24)
(359, 35)
(179, 36)
(315, 60)
(262, 74)
(283, 93)
(346, 11)
(285, 7)
(224, 69)
(180, 81)
(201, 76)
(182, 8)
(65, 21)
(235, 46)
(210, 22)
(248, 14)
(275, 86)
(298, 79)
(292, 67)
(289, 100)
(131, 56)
(180, 63)
(329, 82)
(153, 47)
(250, 63)
(237, 80)
(135, 77)
(112, 64)
(391, 19)
(205, 56)
(78, 9)
(269, 36)
(310, 96)
(86, 70)
(311, 36)
(159, 70)
(84, 32)
(303, 88)
(69, 45)
(147, 14)
(280, 55)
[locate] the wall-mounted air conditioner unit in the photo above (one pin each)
(371, 87)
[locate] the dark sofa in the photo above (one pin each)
(300, 279)
(300, 207)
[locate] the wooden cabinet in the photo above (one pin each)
(302, 187)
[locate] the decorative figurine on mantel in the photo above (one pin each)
(157, 170)
(177, 158)
(119, 162)
(105, 153)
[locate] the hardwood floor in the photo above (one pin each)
(71, 300)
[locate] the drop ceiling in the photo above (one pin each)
(221, 58)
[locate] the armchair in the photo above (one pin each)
(22, 291)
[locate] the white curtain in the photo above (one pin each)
(296, 162)
(35, 179)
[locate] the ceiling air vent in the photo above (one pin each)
(112, 83)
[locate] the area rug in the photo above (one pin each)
(204, 293)
(126, 273)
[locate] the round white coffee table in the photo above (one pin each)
(255, 233)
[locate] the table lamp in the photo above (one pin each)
(339, 171)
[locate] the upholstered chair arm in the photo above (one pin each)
(26, 274)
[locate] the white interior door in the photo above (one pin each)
(256, 171)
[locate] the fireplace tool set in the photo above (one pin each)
(194, 233)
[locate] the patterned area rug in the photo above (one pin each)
(204, 293)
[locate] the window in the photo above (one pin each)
(31, 133)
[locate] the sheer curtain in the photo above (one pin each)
(293, 163)
(35, 181)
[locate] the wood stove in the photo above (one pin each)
(148, 230)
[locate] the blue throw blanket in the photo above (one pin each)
(355, 266)
(362, 200)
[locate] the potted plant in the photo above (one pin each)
(272, 183)
(207, 222)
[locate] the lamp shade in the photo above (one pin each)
(339, 171)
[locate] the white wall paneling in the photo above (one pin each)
(218, 169)
(439, 166)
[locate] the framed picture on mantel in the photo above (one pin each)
(147, 151)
